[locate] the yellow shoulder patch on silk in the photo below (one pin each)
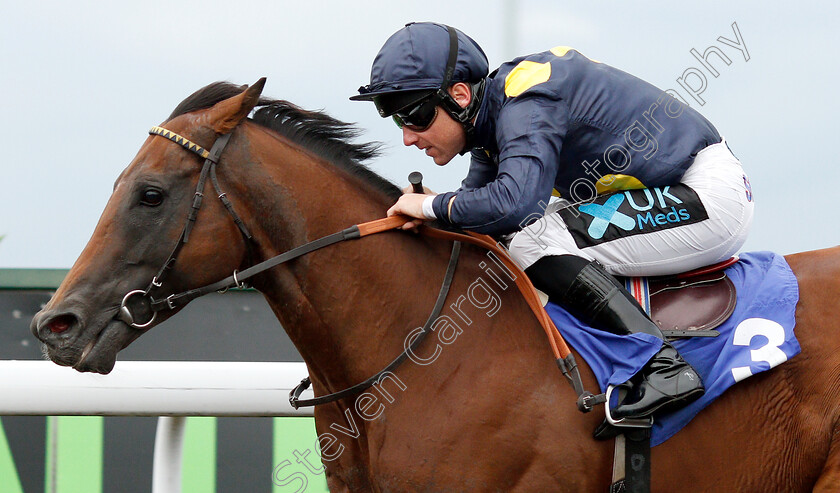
(525, 76)
(613, 183)
(562, 50)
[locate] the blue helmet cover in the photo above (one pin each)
(414, 58)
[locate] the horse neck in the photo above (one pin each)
(339, 305)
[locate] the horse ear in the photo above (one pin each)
(227, 114)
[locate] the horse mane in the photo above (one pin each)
(318, 132)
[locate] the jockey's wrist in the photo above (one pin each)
(428, 210)
(443, 206)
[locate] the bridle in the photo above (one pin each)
(211, 159)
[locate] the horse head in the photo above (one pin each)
(139, 232)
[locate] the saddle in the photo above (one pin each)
(690, 304)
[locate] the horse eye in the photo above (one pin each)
(152, 197)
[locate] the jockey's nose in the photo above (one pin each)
(410, 138)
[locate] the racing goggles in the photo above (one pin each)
(419, 116)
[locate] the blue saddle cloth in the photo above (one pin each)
(758, 336)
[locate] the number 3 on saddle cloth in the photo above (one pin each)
(756, 337)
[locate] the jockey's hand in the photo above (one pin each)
(411, 205)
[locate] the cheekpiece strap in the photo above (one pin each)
(181, 141)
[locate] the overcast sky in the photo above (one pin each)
(81, 83)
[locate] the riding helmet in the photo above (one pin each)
(413, 62)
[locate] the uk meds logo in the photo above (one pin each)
(633, 212)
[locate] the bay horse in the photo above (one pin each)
(487, 410)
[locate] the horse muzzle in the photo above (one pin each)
(69, 341)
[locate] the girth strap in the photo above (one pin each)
(294, 395)
(631, 469)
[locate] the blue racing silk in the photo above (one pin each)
(558, 120)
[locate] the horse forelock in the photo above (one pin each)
(316, 131)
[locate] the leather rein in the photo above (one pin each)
(564, 358)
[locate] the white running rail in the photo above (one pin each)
(171, 390)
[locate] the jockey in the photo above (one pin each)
(646, 184)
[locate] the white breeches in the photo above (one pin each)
(721, 186)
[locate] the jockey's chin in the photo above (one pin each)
(441, 158)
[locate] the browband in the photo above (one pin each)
(181, 141)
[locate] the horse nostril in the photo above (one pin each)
(61, 323)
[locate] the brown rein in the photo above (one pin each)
(558, 345)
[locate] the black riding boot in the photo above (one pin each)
(598, 299)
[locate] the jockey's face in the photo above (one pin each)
(445, 137)
(442, 140)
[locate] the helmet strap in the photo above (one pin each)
(465, 116)
(462, 115)
(452, 60)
